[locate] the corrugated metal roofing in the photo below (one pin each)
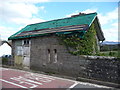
(84, 19)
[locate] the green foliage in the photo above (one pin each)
(100, 54)
(109, 47)
(83, 43)
(4, 60)
(110, 53)
(50, 73)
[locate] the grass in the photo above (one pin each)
(110, 53)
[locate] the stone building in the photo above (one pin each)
(37, 46)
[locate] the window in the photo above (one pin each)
(48, 55)
(55, 55)
(26, 42)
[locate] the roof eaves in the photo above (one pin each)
(100, 30)
(92, 21)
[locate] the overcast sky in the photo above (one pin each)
(16, 14)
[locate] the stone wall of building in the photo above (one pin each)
(43, 55)
(42, 58)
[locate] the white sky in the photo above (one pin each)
(5, 49)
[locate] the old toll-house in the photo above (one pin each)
(55, 46)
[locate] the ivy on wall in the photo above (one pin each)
(81, 43)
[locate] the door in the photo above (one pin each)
(26, 54)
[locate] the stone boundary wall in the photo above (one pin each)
(90, 67)
(102, 68)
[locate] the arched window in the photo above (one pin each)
(55, 55)
(48, 55)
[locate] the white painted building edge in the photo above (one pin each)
(5, 49)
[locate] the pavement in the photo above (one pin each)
(13, 78)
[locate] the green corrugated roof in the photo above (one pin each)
(77, 20)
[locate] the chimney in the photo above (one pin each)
(81, 13)
(78, 14)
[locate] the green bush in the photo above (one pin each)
(111, 53)
(100, 54)
(4, 60)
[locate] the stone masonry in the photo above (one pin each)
(92, 67)
(42, 58)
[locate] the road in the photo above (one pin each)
(13, 78)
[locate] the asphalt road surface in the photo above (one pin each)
(13, 78)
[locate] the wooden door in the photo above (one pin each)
(26, 55)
